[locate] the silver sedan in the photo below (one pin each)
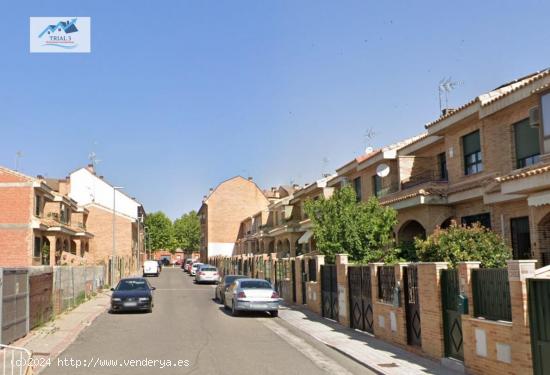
(252, 295)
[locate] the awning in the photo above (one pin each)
(305, 237)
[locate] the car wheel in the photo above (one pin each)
(234, 311)
(274, 313)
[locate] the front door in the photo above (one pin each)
(329, 291)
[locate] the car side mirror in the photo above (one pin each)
(153, 288)
(112, 289)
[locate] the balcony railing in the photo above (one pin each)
(421, 178)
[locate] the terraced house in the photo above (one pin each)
(39, 225)
(487, 161)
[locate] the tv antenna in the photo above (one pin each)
(325, 166)
(18, 156)
(446, 85)
(93, 159)
(369, 135)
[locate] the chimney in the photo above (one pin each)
(90, 167)
(101, 177)
(250, 178)
(210, 190)
(39, 176)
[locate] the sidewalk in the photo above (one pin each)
(377, 355)
(54, 337)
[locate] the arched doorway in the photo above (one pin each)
(45, 252)
(447, 223)
(407, 233)
(73, 247)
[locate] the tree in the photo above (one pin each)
(364, 230)
(161, 231)
(460, 243)
(187, 231)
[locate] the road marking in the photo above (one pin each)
(318, 358)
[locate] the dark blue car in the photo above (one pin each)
(132, 294)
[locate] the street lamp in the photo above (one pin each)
(115, 188)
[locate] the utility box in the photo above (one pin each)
(462, 304)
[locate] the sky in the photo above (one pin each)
(177, 96)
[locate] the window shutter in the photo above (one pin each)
(527, 139)
(471, 143)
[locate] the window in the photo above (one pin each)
(484, 219)
(37, 247)
(357, 188)
(376, 185)
(442, 163)
(471, 149)
(521, 238)
(527, 144)
(545, 103)
(38, 206)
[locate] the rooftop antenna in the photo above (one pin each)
(93, 159)
(325, 166)
(369, 135)
(18, 156)
(446, 85)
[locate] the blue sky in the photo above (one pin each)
(177, 96)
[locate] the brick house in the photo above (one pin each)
(487, 161)
(222, 211)
(99, 197)
(39, 225)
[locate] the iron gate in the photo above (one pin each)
(360, 298)
(452, 319)
(329, 291)
(412, 305)
(304, 280)
(15, 309)
(539, 305)
(279, 277)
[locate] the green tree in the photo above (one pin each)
(160, 231)
(459, 243)
(187, 231)
(363, 230)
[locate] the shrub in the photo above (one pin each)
(459, 243)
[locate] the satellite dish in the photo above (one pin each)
(382, 170)
(368, 150)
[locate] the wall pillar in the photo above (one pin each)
(465, 282)
(313, 288)
(518, 272)
(431, 308)
(342, 283)
(53, 249)
(298, 280)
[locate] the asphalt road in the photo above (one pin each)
(188, 326)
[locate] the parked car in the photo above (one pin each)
(207, 274)
(132, 294)
(187, 263)
(193, 270)
(225, 282)
(252, 295)
(151, 267)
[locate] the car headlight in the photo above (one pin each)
(143, 299)
(116, 299)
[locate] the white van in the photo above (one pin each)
(150, 267)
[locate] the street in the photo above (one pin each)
(188, 326)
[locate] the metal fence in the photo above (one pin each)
(40, 295)
(73, 284)
(491, 294)
(14, 296)
(386, 283)
(15, 360)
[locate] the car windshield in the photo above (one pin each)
(132, 285)
(255, 284)
(196, 265)
(208, 269)
(229, 279)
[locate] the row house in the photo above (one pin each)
(487, 161)
(38, 224)
(283, 227)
